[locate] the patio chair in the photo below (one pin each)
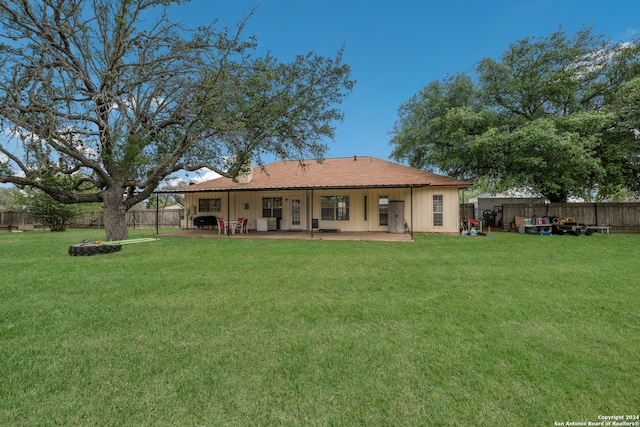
(239, 225)
(221, 226)
(245, 225)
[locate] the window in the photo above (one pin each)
(438, 210)
(272, 207)
(383, 208)
(366, 208)
(334, 208)
(209, 205)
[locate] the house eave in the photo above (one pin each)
(293, 188)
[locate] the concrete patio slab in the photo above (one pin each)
(296, 235)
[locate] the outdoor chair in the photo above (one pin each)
(239, 225)
(243, 225)
(221, 226)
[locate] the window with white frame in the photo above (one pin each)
(438, 210)
(383, 209)
(334, 208)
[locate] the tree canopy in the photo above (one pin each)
(557, 115)
(108, 91)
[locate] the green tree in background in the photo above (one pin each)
(556, 115)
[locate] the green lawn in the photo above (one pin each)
(509, 330)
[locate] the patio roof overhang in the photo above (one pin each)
(291, 188)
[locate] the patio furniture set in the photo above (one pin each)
(240, 225)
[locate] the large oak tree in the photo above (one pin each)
(117, 94)
(550, 115)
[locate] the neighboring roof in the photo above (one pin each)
(176, 207)
(349, 172)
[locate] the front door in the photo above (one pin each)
(296, 214)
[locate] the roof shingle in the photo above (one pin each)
(346, 172)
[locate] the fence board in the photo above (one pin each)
(466, 210)
(135, 219)
(17, 221)
(621, 217)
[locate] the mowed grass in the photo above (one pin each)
(447, 330)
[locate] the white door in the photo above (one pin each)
(296, 214)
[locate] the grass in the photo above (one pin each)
(507, 330)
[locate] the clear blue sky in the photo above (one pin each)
(396, 47)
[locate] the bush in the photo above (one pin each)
(49, 212)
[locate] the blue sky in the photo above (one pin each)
(396, 47)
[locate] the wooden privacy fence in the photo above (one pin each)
(621, 217)
(466, 210)
(135, 219)
(17, 221)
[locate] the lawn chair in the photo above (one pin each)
(239, 225)
(221, 226)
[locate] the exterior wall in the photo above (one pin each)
(248, 204)
(423, 210)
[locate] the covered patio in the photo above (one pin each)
(296, 235)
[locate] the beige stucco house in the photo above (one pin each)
(353, 194)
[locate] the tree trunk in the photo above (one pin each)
(556, 197)
(115, 222)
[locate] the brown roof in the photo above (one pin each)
(348, 172)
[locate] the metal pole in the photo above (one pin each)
(312, 213)
(228, 212)
(157, 213)
(411, 207)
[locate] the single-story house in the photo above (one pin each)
(354, 194)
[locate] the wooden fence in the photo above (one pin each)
(466, 210)
(621, 217)
(17, 221)
(135, 219)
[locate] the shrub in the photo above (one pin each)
(50, 213)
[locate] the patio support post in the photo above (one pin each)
(411, 214)
(228, 211)
(311, 213)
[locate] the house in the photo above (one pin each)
(355, 194)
